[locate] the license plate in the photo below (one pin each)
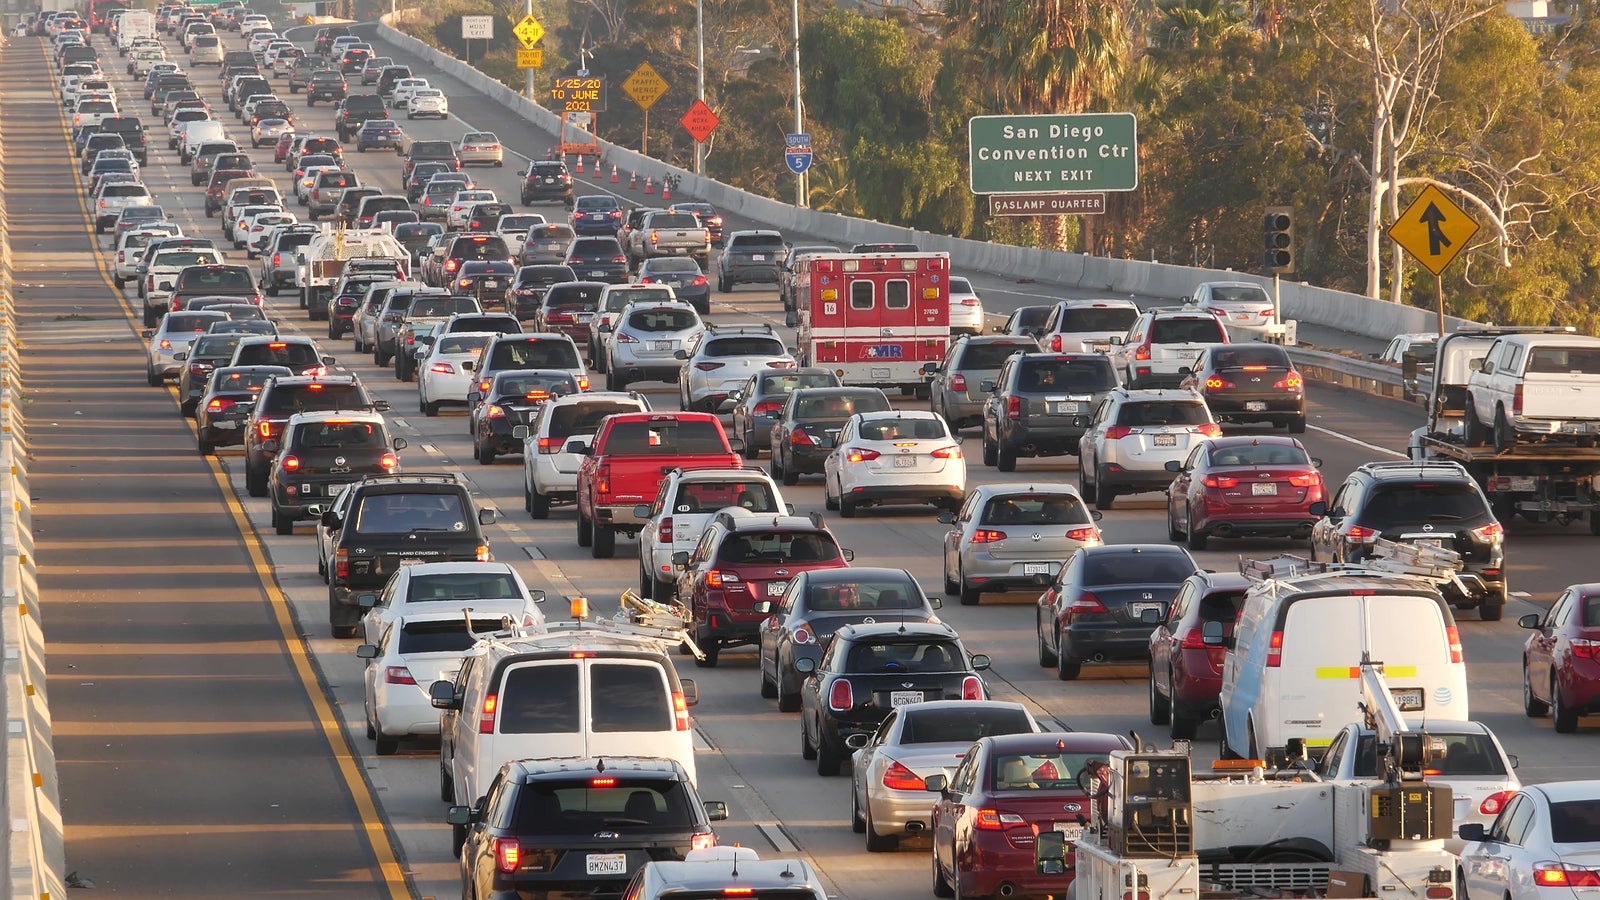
(491, 284)
(1255, 406)
(1264, 489)
(663, 345)
(1166, 440)
(680, 250)
(1068, 408)
(1432, 542)
(1244, 317)
(606, 864)
(410, 561)
(776, 588)
(879, 374)
(904, 698)
(758, 257)
(1408, 699)
(1138, 609)
(1036, 568)
(1071, 830)
(224, 424)
(597, 273)
(905, 462)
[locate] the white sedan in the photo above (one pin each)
(444, 374)
(455, 218)
(1544, 845)
(894, 457)
(966, 308)
(413, 652)
(405, 89)
(428, 102)
(488, 588)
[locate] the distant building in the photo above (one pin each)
(1535, 15)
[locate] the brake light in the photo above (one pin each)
(799, 438)
(1214, 383)
(495, 411)
(620, 259)
(443, 368)
(1495, 802)
(1516, 401)
(1361, 533)
(1452, 637)
(483, 553)
(1142, 351)
(219, 404)
(483, 387)
(389, 462)
(720, 579)
(450, 265)
(1275, 650)
(625, 338)
(507, 855)
(899, 778)
(1013, 407)
(705, 840)
(291, 463)
(699, 281)
(1305, 479)
(1085, 603)
(1055, 343)
(840, 697)
(1086, 533)
(1583, 649)
(548, 446)
(1221, 482)
(1491, 532)
(1557, 874)
(1116, 432)
(767, 408)
(264, 429)
(862, 454)
(1210, 429)
(947, 453)
(664, 530)
(971, 301)
(994, 820)
(971, 688)
(397, 675)
(1291, 381)
(680, 711)
(709, 366)
(486, 714)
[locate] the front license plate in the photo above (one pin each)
(1036, 568)
(1264, 489)
(904, 698)
(606, 864)
(663, 345)
(410, 561)
(1138, 609)
(1408, 699)
(879, 373)
(776, 588)
(1255, 406)
(1068, 408)
(224, 424)
(905, 462)
(1166, 440)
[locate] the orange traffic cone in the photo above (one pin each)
(599, 170)
(580, 163)
(649, 185)
(613, 174)
(633, 181)
(666, 190)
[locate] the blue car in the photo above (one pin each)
(596, 214)
(379, 134)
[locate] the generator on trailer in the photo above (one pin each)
(874, 319)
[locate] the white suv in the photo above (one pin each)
(1087, 326)
(1134, 435)
(1163, 342)
(683, 507)
(553, 445)
(724, 359)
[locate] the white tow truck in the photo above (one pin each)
(320, 262)
(1160, 832)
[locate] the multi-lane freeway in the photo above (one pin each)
(209, 730)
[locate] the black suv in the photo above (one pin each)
(1041, 403)
(283, 397)
(870, 669)
(579, 827)
(354, 111)
(394, 521)
(320, 454)
(547, 181)
(1429, 504)
(133, 135)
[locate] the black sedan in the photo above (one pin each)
(1250, 383)
(817, 604)
(489, 281)
(513, 398)
(528, 291)
(224, 410)
(805, 431)
(757, 405)
(1105, 602)
(203, 356)
(685, 277)
(875, 669)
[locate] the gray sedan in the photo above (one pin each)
(887, 796)
(1014, 536)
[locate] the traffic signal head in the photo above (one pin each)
(1278, 239)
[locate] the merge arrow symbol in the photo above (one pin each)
(1437, 241)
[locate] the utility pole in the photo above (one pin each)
(700, 77)
(801, 194)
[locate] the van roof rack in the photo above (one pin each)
(1440, 565)
(664, 624)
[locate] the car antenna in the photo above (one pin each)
(601, 765)
(735, 860)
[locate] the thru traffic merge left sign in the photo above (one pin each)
(645, 86)
(1433, 229)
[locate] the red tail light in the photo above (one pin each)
(767, 408)
(802, 635)
(548, 446)
(1085, 603)
(507, 855)
(994, 820)
(987, 536)
(899, 778)
(1583, 649)
(483, 387)
(1275, 650)
(1305, 479)
(291, 463)
(389, 462)
(264, 429)
(1055, 343)
(664, 530)
(1491, 532)
(1086, 533)
(1291, 381)
(699, 281)
(723, 580)
(620, 259)
(1557, 874)
(1117, 432)
(442, 368)
(861, 454)
(495, 411)
(680, 711)
(1219, 384)
(1210, 429)
(397, 675)
(709, 366)
(1013, 407)
(1453, 638)
(1495, 802)
(1361, 533)
(1142, 351)
(799, 438)
(840, 698)
(218, 405)
(341, 563)
(486, 715)
(946, 453)
(1220, 481)
(705, 840)
(450, 265)
(1516, 401)
(625, 338)
(958, 383)
(971, 688)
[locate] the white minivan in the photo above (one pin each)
(1293, 668)
(572, 691)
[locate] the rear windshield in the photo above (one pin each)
(686, 220)
(462, 586)
(905, 656)
(183, 258)
(1399, 504)
(1076, 319)
(582, 418)
(489, 248)
(294, 355)
(960, 726)
(1051, 770)
(405, 513)
(543, 354)
(706, 496)
(575, 296)
(1238, 357)
(314, 398)
(1575, 822)
(462, 343)
(903, 429)
(616, 300)
(550, 233)
(990, 356)
(436, 307)
(757, 243)
(181, 322)
(840, 406)
(660, 320)
(787, 384)
(1561, 360)
(855, 595)
(496, 323)
(1252, 296)
(220, 345)
(574, 808)
(1035, 509)
(1067, 374)
(673, 264)
(778, 548)
(1465, 754)
(1163, 412)
(1186, 331)
(532, 384)
(1136, 568)
(596, 201)
(447, 636)
(544, 699)
(744, 346)
(665, 437)
(339, 435)
(1259, 455)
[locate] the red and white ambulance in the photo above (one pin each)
(875, 318)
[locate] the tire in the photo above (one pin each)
(1532, 707)
(1105, 494)
(1492, 611)
(255, 483)
(585, 531)
(877, 843)
(750, 450)
(1184, 722)
(991, 454)
(1473, 429)
(1566, 717)
(1223, 750)
(204, 446)
(283, 524)
(788, 702)
(486, 456)
(604, 543)
(941, 885)
(1297, 425)
(723, 287)
(538, 504)
(1005, 458)
(710, 650)
(769, 691)
(1047, 659)
(789, 477)
(969, 595)
(1086, 490)
(806, 750)
(1195, 539)
(151, 317)
(1065, 671)
(847, 507)
(381, 358)
(339, 631)
(386, 746)
(829, 758)
(1160, 707)
(1173, 534)
(1505, 438)
(858, 824)
(951, 587)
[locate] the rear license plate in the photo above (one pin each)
(409, 561)
(1138, 609)
(1523, 483)
(776, 588)
(1431, 542)
(1067, 408)
(904, 698)
(597, 273)
(1408, 699)
(1166, 440)
(491, 283)
(224, 424)
(680, 250)
(758, 257)
(1072, 831)
(663, 345)
(1244, 317)
(879, 373)
(904, 462)
(1101, 348)
(606, 864)
(1255, 406)
(1036, 568)
(1264, 489)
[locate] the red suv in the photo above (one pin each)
(742, 559)
(1186, 667)
(1561, 660)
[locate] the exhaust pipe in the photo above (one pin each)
(915, 827)
(1215, 714)
(1007, 889)
(1098, 657)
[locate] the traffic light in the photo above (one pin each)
(1278, 239)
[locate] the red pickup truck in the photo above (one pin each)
(623, 467)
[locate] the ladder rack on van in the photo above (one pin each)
(1428, 562)
(662, 623)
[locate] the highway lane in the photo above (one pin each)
(757, 765)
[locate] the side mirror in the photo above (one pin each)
(1211, 634)
(1116, 340)
(575, 445)
(367, 600)
(1472, 831)
(400, 444)
(1319, 508)
(180, 357)
(1151, 617)
(536, 595)
(1316, 462)
(736, 445)
(330, 520)
(485, 517)
(1185, 370)
(605, 327)
(947, 516)
(716, 810)
(936, 784)
(727, 405)
(681, 558)
(458, 815)
(805, 665)
(442, 694)
(1531, 620)
(329, 360)
(680, 354)
(857, 741)
(520, 432)
(642, 510)
(764, 607)
(849, 555)
(473, 396)
(367, 651)
(691, 691)
(980, 662)
(936, 603)
(1173, 466)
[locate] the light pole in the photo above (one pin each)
(528, 89)
(700, 77)
(800, 191)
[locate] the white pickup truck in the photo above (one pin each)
(1536, 387)
(670, 233)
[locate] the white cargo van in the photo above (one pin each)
(1293, 668)
(572, 691)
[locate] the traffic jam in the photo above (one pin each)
(678, 444)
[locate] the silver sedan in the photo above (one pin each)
(1014, 536)
(888, 799)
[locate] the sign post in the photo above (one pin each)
(1434, 230)
(645, 86)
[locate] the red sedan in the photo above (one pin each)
(1007, 789)
(1561, 660)
(1243, 486)
(1185, 670)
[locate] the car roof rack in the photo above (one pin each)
(664, 624)
(1420, 467)
(742, 328)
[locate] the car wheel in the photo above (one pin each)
(1105, 494)
(1005, 457)
(1194, 539)
(281, 523)
(941, 885)
(1223, 750)
(1173, 534)
(857, 823)
(788, 701)
(255, 482)
(710, 650)
(604, 542)
(790, 477)
(1297, 425)
(769, 690)
(1531, 705)
(585, 531)
(1065, 671)
(806, 750)
(1505, 438)
(969, 594)
(486, 455)
(204, 446)
(322, 565)
(1160, 707)
(1184, 721)
(1474, 431)
(1085, 490)
(878, 843)
(723, 287)
(386, 746)
(1493, 607)
(829, 757)
(991, 455)
(1046, 658)
(951, 586)
(334, 614)
(538, 504)
(750, 450)
(1566, 717)
(847, 507)
(152, 318)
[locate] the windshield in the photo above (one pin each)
(1035, 509)
(445, 586)
(455, 343)
(405, 513)
(617, 300)
(180, 322)
(839, 406)
(535, 385)
(576, 808)
(960, 726)
(1033, 771)
(1465, 754)
(582, 418)
(1575, 822)
(787, 384)
(706, 496)
(903, 429)
(745, 346)
(340, 435)
(1240, 296)
(665, 437)
(1238, 357)
(1124, 567)
(1564, 360)
(662, 320)
(990, 356)
(537, 354)
(446, 636)
(315, 398)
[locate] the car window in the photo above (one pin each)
(1187, 330)
(543, 354)
(1518, 825)
(666, 437)
(1022, 772)
(535, 386)
(744, 346)
(757, 243)
(1233, 357)
(292, 355)
(840, 597)
(460, 344)
(634, 698)
(1562, 360)
(990, 355)
(583, 808)
(581, 418)
(1077, 374)
(662, 320)
(1036, 509)
(707, 496)
(1465, 755)
(444, 636)
(1258, 455)
(949, 726)
(1394, 504)
(777, 548)
(444, 586)
(178, 322)
(1136, 568)
(1575, 822)
(1157, 413)
(905, 656)
(839, 406)
(784, 384)
(339, 435)
(540, 699)
(1241, 295)
(903, 429)
(1115, 319)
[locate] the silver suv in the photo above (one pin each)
(645, 344)
(956, 392)
(1132, 437)
(725, 357)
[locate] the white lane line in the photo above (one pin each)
(1357, 441)
(775, 835)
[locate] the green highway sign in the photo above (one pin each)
(1051, 154)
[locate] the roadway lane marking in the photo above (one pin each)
(1357, 441)
(775, 835)
(373, 826)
